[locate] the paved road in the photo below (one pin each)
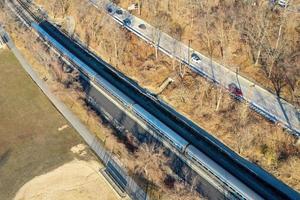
(264, 101)
(164, 118)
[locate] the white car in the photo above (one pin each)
(282, 3)
(195, 58)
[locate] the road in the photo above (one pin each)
(262, 100)
(131, 94)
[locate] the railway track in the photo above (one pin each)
(192, 141)
(27, 7)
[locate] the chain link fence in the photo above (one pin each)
(116, 171)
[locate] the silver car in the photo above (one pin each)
(195, 58)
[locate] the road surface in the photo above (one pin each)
(141, 101)
(263, 101)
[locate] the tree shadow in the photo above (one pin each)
(126, 128)
(289, 125)
(4, 157)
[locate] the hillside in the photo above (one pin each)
(250, 135)
(255, 38)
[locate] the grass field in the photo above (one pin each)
(30, 143)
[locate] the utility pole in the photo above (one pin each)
(140, 7)
(189, 51)
(193, 8)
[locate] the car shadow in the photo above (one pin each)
(4, 157)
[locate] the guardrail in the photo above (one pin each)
(266, 112)
(191, 128)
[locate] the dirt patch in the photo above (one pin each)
(74, 180)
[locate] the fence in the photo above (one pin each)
(114, 169)
(125, 182)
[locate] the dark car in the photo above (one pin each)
(119, 12)
(142, 26)
(127, 22)
(235, 90)
(109, 9)
(195, 58)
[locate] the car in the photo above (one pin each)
(127, 22)
(195, 58)
(119, 12)
(142, 26)
(109, 9)
(281, 3)
(235, 90)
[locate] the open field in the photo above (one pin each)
(41, 157)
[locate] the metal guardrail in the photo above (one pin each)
(254, 106)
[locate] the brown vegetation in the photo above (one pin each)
(238, 127)
(234, 123)
(68, 89)
(256, 38)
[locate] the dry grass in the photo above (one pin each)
(236, 53)
(30, 142)
(233, 123)
(50, 70)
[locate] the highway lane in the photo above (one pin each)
(266, 103)
(256, 178)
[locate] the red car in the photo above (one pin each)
(235, 90)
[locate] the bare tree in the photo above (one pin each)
(158, 24)
(63, 6)
(177, 31)
(266, 33)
